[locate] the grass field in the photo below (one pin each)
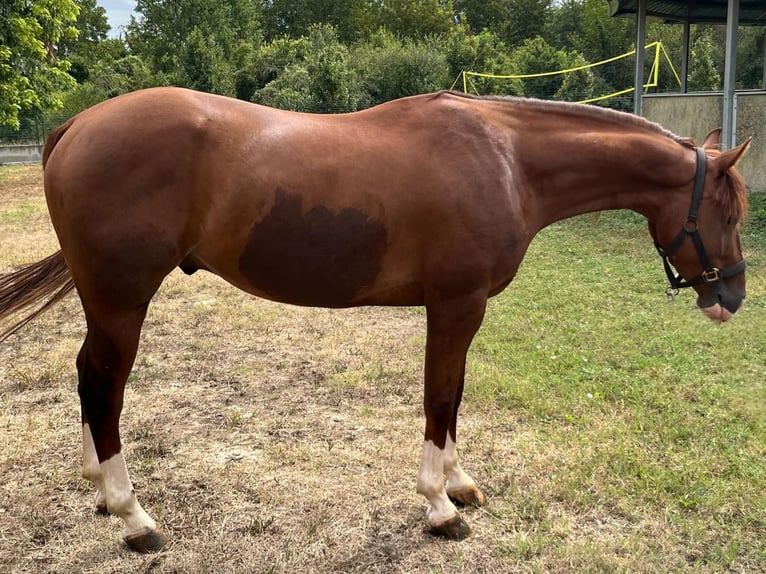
(612, 431)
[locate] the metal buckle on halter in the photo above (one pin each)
(710, 276)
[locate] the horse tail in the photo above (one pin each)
(54, 137)
(47, 279)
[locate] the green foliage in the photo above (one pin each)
(319, 73)
(483, 51)
(750, 54)
(195, 43)
(308, 73)
(353, 19)
(586, 27)
(537, 56)
(202, 65)
(511, 20)
(703, 74)
(417, 18)
(89, 45)
(579, 85)
(30, 72)
(106, 80)
(391, 68)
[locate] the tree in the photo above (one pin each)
(169, 35)
(750, 57)
(482, 52)
(703, 73)
(586, 27)
(538, 56)
(90, 45)
(513, 21)
(30, 73)
(311, 73)
(201, 65)
(389, 67)
(352, 19)
(417, 18)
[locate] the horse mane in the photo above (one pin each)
(596, 112)
(731, 198)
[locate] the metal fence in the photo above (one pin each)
(33, 130)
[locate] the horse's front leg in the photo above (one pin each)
(452, 323)
(103, 366)
(461, 488)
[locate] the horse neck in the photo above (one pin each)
(577, 160)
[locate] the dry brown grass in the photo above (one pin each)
(264, 438)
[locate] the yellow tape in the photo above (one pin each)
(667, 59)
(654, 73)
(543, 74)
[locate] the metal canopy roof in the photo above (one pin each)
(694, 11)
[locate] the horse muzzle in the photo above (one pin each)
(721, 305)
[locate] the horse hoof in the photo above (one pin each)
(148, 540)
(454, 529)
(467, 496)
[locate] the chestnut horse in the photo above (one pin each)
(429, 200)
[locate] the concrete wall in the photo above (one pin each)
(751, 121)
(21, 154)
(694, 115)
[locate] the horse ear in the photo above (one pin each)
(729, 159)
(712, 140)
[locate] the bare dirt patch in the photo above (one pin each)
(264, 438)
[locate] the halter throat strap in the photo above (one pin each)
(709, 274)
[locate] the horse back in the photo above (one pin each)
(307, 209)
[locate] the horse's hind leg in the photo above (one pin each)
(91, 469)
(452, 323)
(103, 366)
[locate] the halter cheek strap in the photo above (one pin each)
(709, 274)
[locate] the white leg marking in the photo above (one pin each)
(457, 478)
(120, 498)
(431, 485)
(91, 470)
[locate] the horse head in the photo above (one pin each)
(706, 251)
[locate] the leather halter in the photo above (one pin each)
(709, 274)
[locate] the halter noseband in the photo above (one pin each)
(709, 274)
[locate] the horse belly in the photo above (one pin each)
(320, 257)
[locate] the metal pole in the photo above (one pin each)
(640, 42)
(763, 84)
(730, 76)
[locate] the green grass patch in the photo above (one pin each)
(647, 410)
(21, 213)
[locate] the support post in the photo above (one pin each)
(640, 43)
(763, 83)
(685, 54)
(730, 76)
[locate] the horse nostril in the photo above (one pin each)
(731, 304)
